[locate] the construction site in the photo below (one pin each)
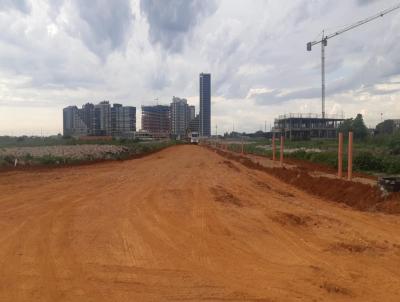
(156, 121)
(307, 126)
(195, 223)
(208, 218)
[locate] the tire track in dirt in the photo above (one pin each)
(186, 224)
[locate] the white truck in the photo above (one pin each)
(194, 138)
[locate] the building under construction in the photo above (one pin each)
(156, 121)
(307, 126)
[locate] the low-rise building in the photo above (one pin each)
(306, 126)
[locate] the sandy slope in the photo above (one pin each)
(186, 224)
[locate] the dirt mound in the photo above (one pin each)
(311, 166)
(357, 195)
(225, 197)
(230, 165)
(358, 247)
(261, 185)
(333, 288)
(283, 193)
(292, 219)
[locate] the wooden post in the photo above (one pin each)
(242, 147)
(340, 155)
(281, 152)
(350, 157)
(273, 148)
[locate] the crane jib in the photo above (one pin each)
(357, 24)
(324, 43)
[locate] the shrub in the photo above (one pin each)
(391, 165)
(329, 158)
(394, 145)
(368, 162)
(3, 163)
(299, 154)
(49, 160)
(9, 159)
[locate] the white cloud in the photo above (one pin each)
(61, 52)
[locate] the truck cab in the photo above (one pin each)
(194, 138)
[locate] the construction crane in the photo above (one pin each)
(324, 43)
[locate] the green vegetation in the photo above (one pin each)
(386, 127)
(356, 125)
(372, 154)
(379, 154)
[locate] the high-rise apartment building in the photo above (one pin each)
(89, 118)
(102, 113)
(129, 119)
(117, 112)
(194, 124)
(192, 110)
(156, 120)
(123, 119)
(73, 123)
(180, 117)
(99, 120)
(205, 104)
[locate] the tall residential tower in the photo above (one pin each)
(205, 104)
(180, 117)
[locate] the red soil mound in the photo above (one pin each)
(357, 195)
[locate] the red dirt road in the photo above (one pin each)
(186, 224)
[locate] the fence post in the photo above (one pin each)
(242, 147)
(273, 148)
(340, 155)
(350, 157)
(281, 153)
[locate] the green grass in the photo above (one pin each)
(374, 155)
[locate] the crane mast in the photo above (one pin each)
(324, 43)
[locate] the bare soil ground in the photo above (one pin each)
(187, 224)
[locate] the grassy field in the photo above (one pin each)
(57, 150)
(377, 155)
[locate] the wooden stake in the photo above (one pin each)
(340, 155)
(350, 157)
(273, 148)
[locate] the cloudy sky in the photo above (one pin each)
(63, 52)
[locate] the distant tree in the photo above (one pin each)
(359, 128)
(386, 127)
(356, 125)
(346, 126)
